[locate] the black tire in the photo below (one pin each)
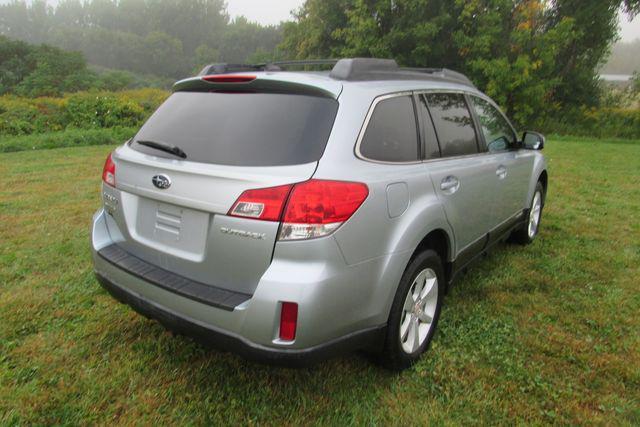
(393, 356)
(521, 235)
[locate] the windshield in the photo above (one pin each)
(241, 129)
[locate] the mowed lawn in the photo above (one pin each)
(548, 333)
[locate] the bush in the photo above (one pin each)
(599, 123)
(102, 110)
(68, 138)
(86, 110)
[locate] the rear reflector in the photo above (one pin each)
(288, 321)
(109, 172)
(307, 210)
(229, 78)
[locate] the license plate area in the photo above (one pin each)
(176, 230)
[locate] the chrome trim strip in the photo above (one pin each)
(381, 98)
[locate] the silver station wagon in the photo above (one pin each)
(291, 215)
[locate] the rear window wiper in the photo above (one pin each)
(167, 148)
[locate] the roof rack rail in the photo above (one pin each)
(303, 62)
(356, 69)
(444, 73)
(349, 69)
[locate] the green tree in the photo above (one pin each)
(16, 63)
(313, 33)
(533, 56)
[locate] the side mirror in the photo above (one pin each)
(533, 140)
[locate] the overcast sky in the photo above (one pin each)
(630, 30)
(275, 11)
(263, 11)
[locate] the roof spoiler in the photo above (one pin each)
(348, 69)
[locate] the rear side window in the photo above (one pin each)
(453, 124)
(497, 132)
(241, 129)
(392, 134)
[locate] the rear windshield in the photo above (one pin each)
(241, 129)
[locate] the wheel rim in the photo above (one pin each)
(419, 310)
(534, 214)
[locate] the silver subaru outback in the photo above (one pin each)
(289, 216)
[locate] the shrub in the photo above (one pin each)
(102, 110)
(25, 116)
(67, 138)
(603, 122)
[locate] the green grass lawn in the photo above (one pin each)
(548, 333)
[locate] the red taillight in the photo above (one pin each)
(288, 321)
(309, 209)
(324, 202)
(317, 208)
(109, 172)
(229, 78)
(265, 203)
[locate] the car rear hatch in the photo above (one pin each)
(237, 135)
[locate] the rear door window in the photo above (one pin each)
(392, 133)
(453, 123)
(241, 129)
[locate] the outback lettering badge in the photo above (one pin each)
(242, 233)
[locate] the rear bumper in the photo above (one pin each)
(329, 322)
(221, 340)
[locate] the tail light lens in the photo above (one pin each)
(265, 204)
(307, 210)
(109, 172)
(317, 208)
(288, 321)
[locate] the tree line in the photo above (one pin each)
(536, 58)
(162, 37)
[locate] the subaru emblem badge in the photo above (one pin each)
(161, 181)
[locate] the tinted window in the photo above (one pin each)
(392, 134)
(497, 132)
(453, 123)
(242, 129)
(432, 150)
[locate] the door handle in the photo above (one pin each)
(501, 172)
(450, 184)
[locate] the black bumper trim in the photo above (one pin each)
(371, 338)
(205, 294)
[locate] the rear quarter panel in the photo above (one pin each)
(385, 225)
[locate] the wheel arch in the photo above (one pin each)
(441, 242)
(543, 178)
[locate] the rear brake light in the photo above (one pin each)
(288, 321)
(317, 208)
(265, 203)
(307, 210)
(109, 172)
(229, 78)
